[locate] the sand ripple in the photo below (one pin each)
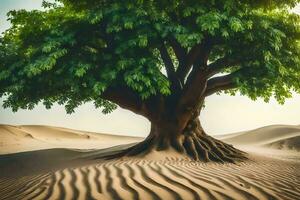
(173, 178)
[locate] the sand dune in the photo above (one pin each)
(292, 143)
(15, 139)
(62, 173)
(275, 136)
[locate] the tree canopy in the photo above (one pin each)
(131, 51)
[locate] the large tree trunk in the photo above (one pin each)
(192, 141)
(175, 125)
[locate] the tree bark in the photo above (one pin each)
(192, 141)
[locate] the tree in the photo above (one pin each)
(158, 59)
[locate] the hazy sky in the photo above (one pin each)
(222, 114)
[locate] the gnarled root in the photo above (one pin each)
(198, 147)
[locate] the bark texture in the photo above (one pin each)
(193, 141)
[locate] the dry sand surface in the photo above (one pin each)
(15, 139)
(55, 171)
(276, 136)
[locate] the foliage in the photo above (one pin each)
(73, 51)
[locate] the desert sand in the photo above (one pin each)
(14, 139)
(42, 162)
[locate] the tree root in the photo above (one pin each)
(198, 147)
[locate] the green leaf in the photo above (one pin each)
(235, 24)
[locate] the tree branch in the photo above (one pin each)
(219, 84)
(169, 66)
(186, 65)
(225, 82)
(127, 99)
(167, 61)
(196, 83)
(219, 65)
(180, 52)
(199, 65)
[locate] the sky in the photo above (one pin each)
(222, 114)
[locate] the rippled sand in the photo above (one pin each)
(173, 178)
(61, 173)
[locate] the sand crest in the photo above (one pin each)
(275, 136)
(15, 139)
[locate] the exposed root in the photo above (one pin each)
(198, 147)
(193, 142)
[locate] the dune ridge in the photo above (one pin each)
(274, 136)
(291, 143)
(23, 138)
